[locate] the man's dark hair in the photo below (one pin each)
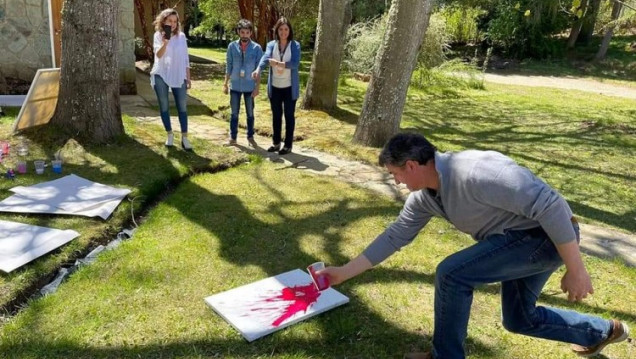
(283, 21)
(244, 24)
(404, 147)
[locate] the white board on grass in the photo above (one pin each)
(21, 243)
(271, 304)
(67, 195)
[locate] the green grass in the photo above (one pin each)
(219, 231)
(138, 161)
(619, 65)
(580, 143)
(214, 54)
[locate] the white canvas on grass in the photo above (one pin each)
(67, 195)
(21, 243)
(271, 304)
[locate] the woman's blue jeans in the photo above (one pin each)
(235, 105)
(180, 97)
(522, 261)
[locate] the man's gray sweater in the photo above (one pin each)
(481, 193)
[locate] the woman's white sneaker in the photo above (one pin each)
(186, 144)
(170, 140)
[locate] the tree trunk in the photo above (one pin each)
(616, 13)
(322, 87)
(589, 21)
(88, 102)
(384, 101)
(576, 27)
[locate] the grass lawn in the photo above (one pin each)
(580, 143)
(619, 65)
(219, 231)
(137, 161)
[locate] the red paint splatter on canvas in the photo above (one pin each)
(300, 298)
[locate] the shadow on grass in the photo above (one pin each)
(150, 175)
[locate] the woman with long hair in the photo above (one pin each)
(171, 70)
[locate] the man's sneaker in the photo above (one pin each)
(284, 151)
(231, 142)
(423, 355)
(170, 140)
(620, 332)
(185, 144)
(274, 148)
(252, 142)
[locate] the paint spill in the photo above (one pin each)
(302, 297)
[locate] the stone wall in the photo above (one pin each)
(25, 37)
(25, 40)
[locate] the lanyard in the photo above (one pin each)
(282, 53)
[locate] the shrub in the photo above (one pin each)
(362, 42)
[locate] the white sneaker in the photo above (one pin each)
(170, 140)
(186, 144)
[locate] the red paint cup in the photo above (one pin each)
(320, 281)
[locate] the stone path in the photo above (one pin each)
(597, 241)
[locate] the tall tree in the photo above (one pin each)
(589, 21)
(384, 101)
(322, 87)
(88, 102)
(579, 12)
(609, 32)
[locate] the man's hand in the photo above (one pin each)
(255, 92)
(255, 75)
(336, 275)
(225, 89)
(577, 285)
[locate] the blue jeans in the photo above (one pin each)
(522, 261)
(235, 104)
(280, 101)
(179, 93)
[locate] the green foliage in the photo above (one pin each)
(435, 45)
(363, 10)
(365, 38)
(526, 28)
(462, 23)
(362, 43)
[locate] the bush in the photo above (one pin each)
(526, 28)
(362, 42)
(462, 24)
(364, 39)
(451, 75)
(436, 43)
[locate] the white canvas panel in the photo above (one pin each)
(67, 195)
(271, 304)
(21, 243)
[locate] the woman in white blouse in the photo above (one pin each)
(171, 70)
